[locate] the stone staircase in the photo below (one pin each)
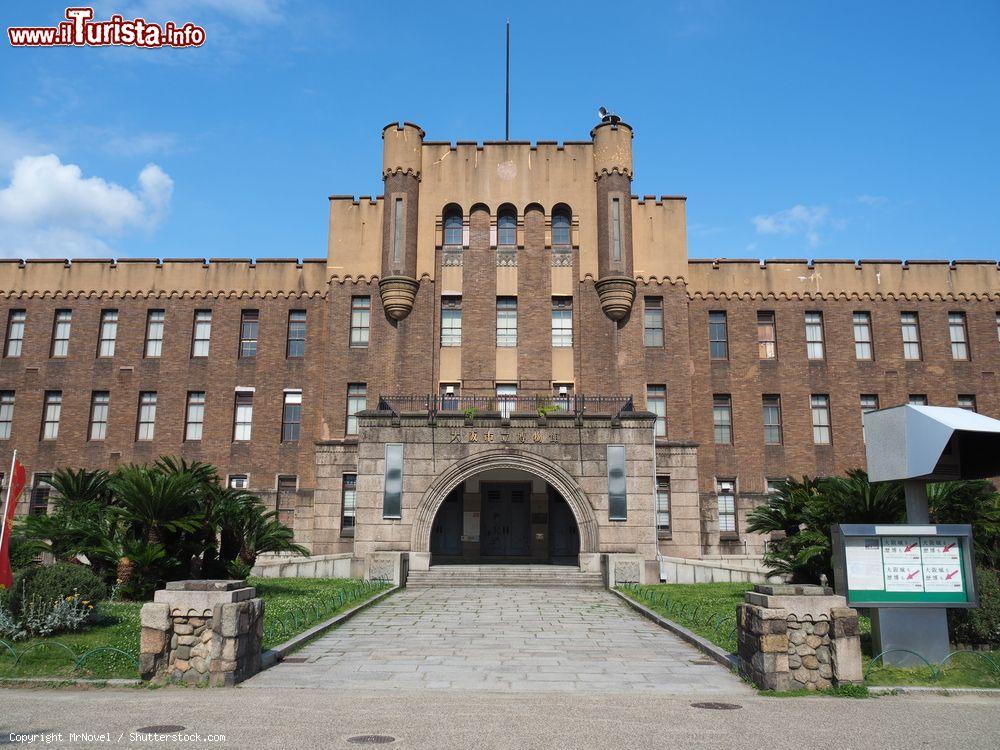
(540, 576)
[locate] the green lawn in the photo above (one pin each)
(292, 605)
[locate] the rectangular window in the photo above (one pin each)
(287, 498)
(154, 333)
(296, 346)
(249, 331)
(146, 423)
(917, 399)
(562, 321)
(863, 336)
(959, 332)
(656, 402)
(38, 503)
(451, 321)
(100, 401)
(361, 309)
(6, 413)
(773, 486)
(910, 325)
(392, 495)
(348, 504)
(201, 336)
(820, 405)
(616, 229)
(869, 402)
(194, 416)
(61, 325)
(449, 396)
(506, 400)
(15, 333)
(617, 495)
(966, 401)
(51, 412)
(291, 416)
(652, 320)
(722, 418)
(772, 420)
(814, 335)
(398, 232)
(663, 506)
(718, 335)
(357, 401)
(243, 416)
(767, 337)
(239, 482)
(506, 321)
(726, 504)
(108, 333)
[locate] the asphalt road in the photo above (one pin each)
(325, 718)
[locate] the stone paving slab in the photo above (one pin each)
(506, 639)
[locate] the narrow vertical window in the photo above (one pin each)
(154, 333)
(287, 498)
(453, 229)
(15, 333)
(869, 402)
(616, 229)
(966, 401)
(361, 308)
(562, 396)
(449, 396)
(652, 320)
(506, 400)
(718, 335)
(146, 422)
(722, 418)
(108, 333)
(910, 326)
(392, 494)
(243, 416)
(863, 335)
(506, 321)
(617, 494)
(772, 420)
(663, 507)
(99, 404)
(917, 399)
(656, 402)
(507, 229)
(357, 402)
(249, 331)
(561, 229)
(348, 504)
(959, 332)
(398, 230)
(767, 340)
(38, 503)
(815, 348)
(726, 505)
(6, 413)
(51, 412)
(61, 325)
(194, 416)
(291, 416)
(451, 321)
(820, 405)
(562, 321)
(296, 346)
(201, 335)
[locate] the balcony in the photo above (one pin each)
(541, 405)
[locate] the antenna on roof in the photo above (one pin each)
(506, 132)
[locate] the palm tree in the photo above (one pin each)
(247, 528)
(974, 502)
(157, 503)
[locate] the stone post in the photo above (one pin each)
(387, 566)
(795, 637)
(202, 631)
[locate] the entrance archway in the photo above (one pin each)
(495, 461)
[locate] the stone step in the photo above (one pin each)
(505, 575)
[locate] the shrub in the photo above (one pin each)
(49, 583)
(979, 626)
(22, 555)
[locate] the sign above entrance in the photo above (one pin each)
(504, 436)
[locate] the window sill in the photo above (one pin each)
(664, 535)
(347, 533)
(728, 537)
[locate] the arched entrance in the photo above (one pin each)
(526, 509)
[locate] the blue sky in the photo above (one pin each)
(796, 129)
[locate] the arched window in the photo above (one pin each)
(561, 222)
(453, 226)
(507, 227)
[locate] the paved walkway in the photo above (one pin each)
(507, 639)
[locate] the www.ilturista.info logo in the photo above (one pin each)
(80, 30)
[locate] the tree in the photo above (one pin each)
(157, 504)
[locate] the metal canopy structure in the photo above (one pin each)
(932, 443)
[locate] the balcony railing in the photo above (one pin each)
(505, 406)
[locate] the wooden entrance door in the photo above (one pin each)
(505, 520)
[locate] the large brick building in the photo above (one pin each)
(474, 369)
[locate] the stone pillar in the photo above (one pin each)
(202, 631)
(402, 145)
(622, 568)
(613, 173)
(387, 566)
(794, 637)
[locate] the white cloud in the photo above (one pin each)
(50, 208)
(872, 200)
(801, 220)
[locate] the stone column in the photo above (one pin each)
(202, 631)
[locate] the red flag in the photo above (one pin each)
(17, 479)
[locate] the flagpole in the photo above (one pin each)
(6, 502)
